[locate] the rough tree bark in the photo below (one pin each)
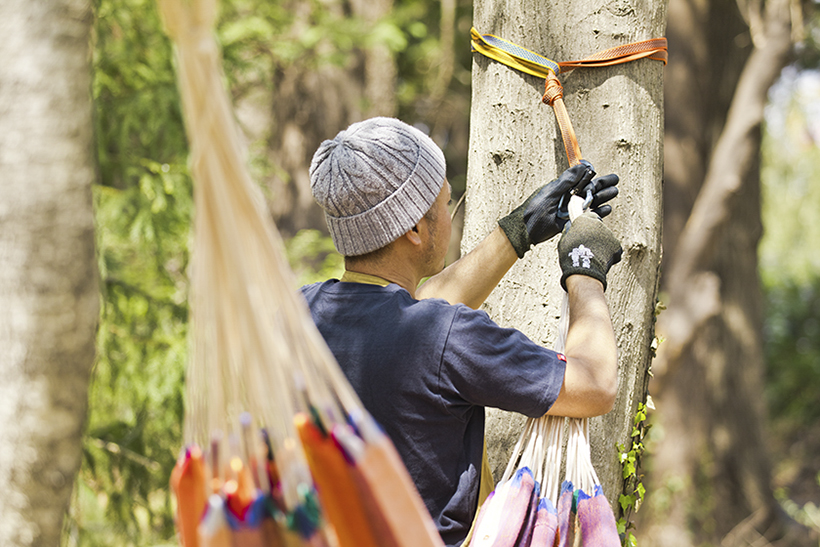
(48, 283)
(515, 146)
(710, 470)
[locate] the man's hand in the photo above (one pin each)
(537, 219)
(603, 189)
(589, 248)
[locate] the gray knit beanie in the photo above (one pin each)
(375, 181)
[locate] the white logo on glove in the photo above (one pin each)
(581, 256)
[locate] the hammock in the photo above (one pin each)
(527, 508)
(278, 448)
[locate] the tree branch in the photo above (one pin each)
(729, 166)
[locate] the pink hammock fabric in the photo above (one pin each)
(587, 516)
(596, 521)
(545, 529)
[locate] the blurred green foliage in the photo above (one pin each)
(790, 249)
(793, 352)
(313, 257)
(143, 207)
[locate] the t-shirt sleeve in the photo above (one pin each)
(487, 365)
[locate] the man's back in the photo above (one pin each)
(425, 370)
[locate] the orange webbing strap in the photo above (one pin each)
(654, 49)
(532, 63)
(554, 96)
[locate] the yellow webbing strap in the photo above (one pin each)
(512, 55)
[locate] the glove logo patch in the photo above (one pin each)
(581, 256)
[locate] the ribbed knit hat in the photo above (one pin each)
(375, 181)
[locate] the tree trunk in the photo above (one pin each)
(515, 146)
(48, 282)
(711, 467)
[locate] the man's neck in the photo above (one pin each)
(365, 279)
(389, 270)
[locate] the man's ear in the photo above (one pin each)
(413, 235)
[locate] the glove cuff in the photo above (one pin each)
(589, 272)
(516, 231)
(588, 248)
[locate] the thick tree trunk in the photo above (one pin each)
(710, 467)
(515, 146)
(48, 283)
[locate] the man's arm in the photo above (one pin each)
(470, 279)
(586, 252)
(591, 377)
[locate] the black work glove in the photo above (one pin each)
(537, 219)
(587, 247)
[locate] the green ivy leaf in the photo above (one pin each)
(626, 501)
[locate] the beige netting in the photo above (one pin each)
(259, 364)
(252, 335)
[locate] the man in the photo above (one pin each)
(423, 361)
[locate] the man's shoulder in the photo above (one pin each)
(313, 288)
(334, 293)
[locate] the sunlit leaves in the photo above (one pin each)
(790, 248)
(313, 257)
(143, 209)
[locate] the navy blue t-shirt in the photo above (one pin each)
(425, 370)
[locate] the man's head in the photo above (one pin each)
(375, 181)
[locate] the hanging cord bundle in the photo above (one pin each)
(527, 508)
(279, 450)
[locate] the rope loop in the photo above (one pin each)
(553, 90)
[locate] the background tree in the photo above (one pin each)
(515, 146)
(711, 468)
(48, 282)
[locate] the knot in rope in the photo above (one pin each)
(553, 90)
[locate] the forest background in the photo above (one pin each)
(299, 71)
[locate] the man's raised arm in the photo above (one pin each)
(586, 252)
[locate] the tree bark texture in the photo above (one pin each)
(515, 146)
(710, 470)
(48, 280)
